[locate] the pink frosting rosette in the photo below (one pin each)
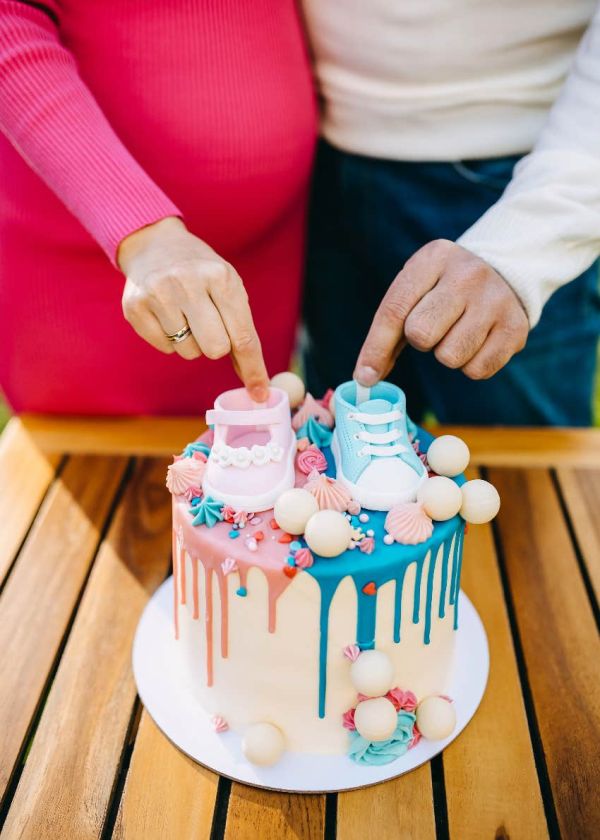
(329, 493)
(348, 720)
(311, 459)
(408, 523)
(405, 700)
(311, 408)
(184, 474)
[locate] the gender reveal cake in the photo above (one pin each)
(317, 548)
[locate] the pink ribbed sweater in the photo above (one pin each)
(116, 115)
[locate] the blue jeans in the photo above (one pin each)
(367, 218)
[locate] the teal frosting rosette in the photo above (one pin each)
(383, 752)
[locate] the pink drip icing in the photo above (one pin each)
(175, 586)
(196, 612)
(224, 615)
(208, 623)
(183, 593)
(211, 563)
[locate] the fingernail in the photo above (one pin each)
(366, 375)
(259, 393)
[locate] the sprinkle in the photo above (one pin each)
(285, 538)
(219, 724)
(229, 565)
(251, 544)
(290, 561)
(351, 652)
(369, 588)
(241, 525)
(370, 533)
(274, 525)
(290, 571)
(256, 520)
(259, 536)
(235, 527)
(233, 535)
(352, 545)
(388, 539)
(242, 591)
(295, 546)
(364, 517)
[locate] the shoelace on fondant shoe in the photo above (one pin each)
(377, 443)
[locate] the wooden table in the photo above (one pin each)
(85, 540)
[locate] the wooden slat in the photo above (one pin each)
(581, 491)
(560, 642)
(492, 788)
(157, 436)
(263, 814)
(529, 447)
(167, 435)
(66, 785)
(401, 808)
(38, 600)
(25, 475)
(166, 793)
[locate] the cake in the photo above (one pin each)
(306, 621)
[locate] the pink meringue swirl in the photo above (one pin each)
(311, 408)
(303, 558)
(219, 724)
(405, 700)
(351, 652)
(329, 493)
(409, 524)
(311, 459)
(367, 545)
(229, 565)
(185, 473)
(348, 720)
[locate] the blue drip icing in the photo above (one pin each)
(444, 581)
(387, 563)
(429, 596)
(458, 555)
(398, 604)
(417, 595)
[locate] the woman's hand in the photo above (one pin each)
(175, 279)
(448, 300)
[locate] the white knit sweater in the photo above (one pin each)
(458, 79)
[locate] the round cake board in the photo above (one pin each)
(164, 687)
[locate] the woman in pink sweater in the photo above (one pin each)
(138, 138)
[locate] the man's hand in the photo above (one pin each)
(450, 301)
(175, 279)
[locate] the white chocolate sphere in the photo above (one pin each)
(327, 532)
(263, 744)
(436, 718)
(480, 501)
(440, 497)
(372, 673)
(375, 719)
(292, 385)
(448, 455)
(294, 508)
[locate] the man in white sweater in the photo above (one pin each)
(456, 196)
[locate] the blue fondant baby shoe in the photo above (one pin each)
(371, 445)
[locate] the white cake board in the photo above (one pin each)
(163, 685)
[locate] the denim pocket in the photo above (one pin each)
(494, 173)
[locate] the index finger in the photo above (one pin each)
(386, 334)
(246, 349)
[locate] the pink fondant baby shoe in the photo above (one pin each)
(252, 458)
